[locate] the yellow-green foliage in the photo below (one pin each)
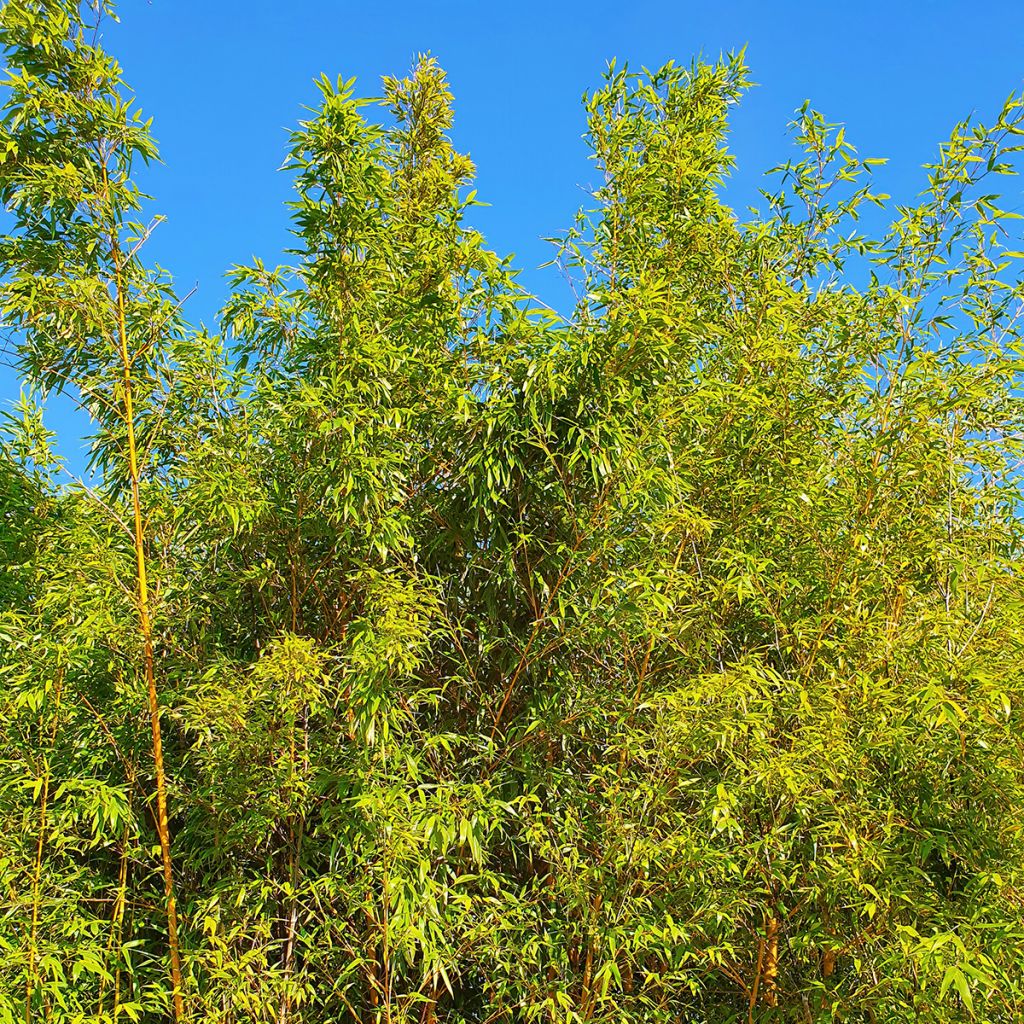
(660, 662)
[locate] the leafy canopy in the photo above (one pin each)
(655, 662)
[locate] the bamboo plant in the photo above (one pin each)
(653, 660)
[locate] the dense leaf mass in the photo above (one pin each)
(425, 655)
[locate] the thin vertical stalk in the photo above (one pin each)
(288, 958)
(114, 940)
(37, 872)
(295, 835)
(146, 631)
(36, 876)
(770, 975)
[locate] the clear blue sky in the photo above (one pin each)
(225, 80)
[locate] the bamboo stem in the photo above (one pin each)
(146, 630)
(771, 962)
(40, 845)
(36, 876)
(114, 939)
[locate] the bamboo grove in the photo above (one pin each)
(424, 655)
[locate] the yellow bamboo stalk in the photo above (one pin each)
(771, 962)
(114, 939)
(36, 876)
(146, 631)
(40, 845)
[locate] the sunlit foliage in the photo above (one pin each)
(655, 662)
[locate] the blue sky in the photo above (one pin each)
(225, 80)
